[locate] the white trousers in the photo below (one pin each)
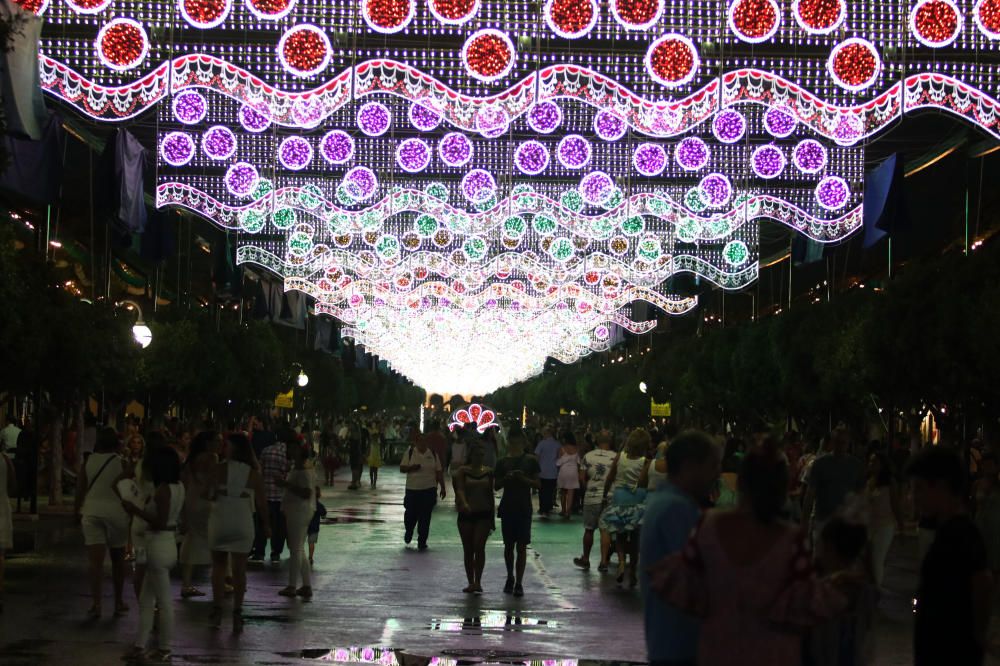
(881, 538)
(296, 524)
(161, 556)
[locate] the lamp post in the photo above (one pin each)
(142, 334)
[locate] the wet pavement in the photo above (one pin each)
(378, 602)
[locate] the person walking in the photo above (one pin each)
(236, 489)
(140, 491)
(103, 520)
(160, 513)
(8, 489)
(547, 452)
(423, 471)
(299, 506)
(274, 467)
(516, 475)
(374, 456)
(832, 478)
(357, 444)
(672, 512)
(594, 472)
(884, 514)
(626, 485)
(568, 479)
(202, 459)
(473, 484)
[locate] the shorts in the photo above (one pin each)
(313, 537)
(592, 516)
(98, 531)
(516, 529)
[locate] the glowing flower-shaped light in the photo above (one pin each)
(819, 17)
(218, 143)
(177, 148)
(413, 155)
(768, 161)
(374, 119)
(609, 126)
(754, 21)
(854, 64)
(779, 123)
(716, 190)
(308, 112)
(337, 147)
(692, 154)
(531, 157)
(78, 6)
(672, 60)
(190, 107)
(736, 253)
(488, 55)
(571, 19)
(388, 16)
(205, 14)
(295, 153)
(437, 190)
(252, 120)
(832, 193)
(304, 50)
(478, 185)
(987, 16)
(545, 117)
(935, 23)
(573, 151)
(650, 159)
(270, 10)
(122, 44)
(637, 14)
(241, 178)
(729, 126)
(455, 149)
(492, 120)
(453, 12)
(809, 156)
(422, 118)
(361, 183)
(596, 187)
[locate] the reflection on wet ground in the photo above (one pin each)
(385, 656)
(503, 620)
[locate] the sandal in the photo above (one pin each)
(287, 591)
(157, 656)
(191, 591)
(621, 572)
(582, 563)
(469, 589)
(215, 617)
(305, 592)
(603, 567)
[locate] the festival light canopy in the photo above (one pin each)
(473, 186)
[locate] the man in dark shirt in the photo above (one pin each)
(954, 596)
(516, 475)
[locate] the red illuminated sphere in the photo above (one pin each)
(388, 15)
(638, 13)
(988, 17)
(488, 55)
(453, 11)
(754, 20)
(123, 45)
(304, 50)
(87, 6)
(854, 65)
(205, 12)
(819, 15)
(571, 18)
(270, 7)
(672, 61)
(33, 6)
(936, 22)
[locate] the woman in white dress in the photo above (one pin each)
(235, 490)
(626, 483)
(141, 492)
(299, 505)
(104, 521)
(160, 513)
(8, 489)
(202, 459)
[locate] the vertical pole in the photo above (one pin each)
(890, 256)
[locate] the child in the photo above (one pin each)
(374, 457)
(313, 530)
(844, 641)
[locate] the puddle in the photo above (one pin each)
(346, 520)
(504, 620)
(384, 656)
(280, 619)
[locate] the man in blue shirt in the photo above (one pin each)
(672, 512)
(547, 453)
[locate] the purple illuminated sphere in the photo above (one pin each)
(295, 153)
(241, 178)
(692, 154)
(218, 142)
(716, 190)
(573, 151)
(177, 148)
(478, 185)
(424, 119)
(361, 182)
(832, 193)
(455, 149)
(337, 147)
(531, 158)
(544, 117)
(413, 155)
(308, 112)
(492, 121)
(596, 187)
(779, 123)
(768, 161)
(848, 130)
(252, 120)
(190, 107)
(809, 156)
(609, 126)
(729, 126)
(374, 119)
(650, 159)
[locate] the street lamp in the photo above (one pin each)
(303, 379)
(140, 331)
(642, 387)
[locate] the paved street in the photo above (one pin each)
(371, 592)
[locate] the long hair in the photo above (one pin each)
(638, 442)
(763, 482)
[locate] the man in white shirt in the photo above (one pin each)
(594, 472)
(8, 436)
(423, 472)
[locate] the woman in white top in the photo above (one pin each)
(202, 459)
(141, 490)
(627, 483)
(235, 489)
(104, 521)
(299, 505)
(8, 489)
(160, 513)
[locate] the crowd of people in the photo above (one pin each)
(763, 551)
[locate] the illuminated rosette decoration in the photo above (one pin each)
(87, 6)
(729, 126)
(241, 179)
(295, 153)
(492, 120)
(854, 64)
(637, 14)
(478, 185)
(768, 161)
(573, 151)
(935, 23)
(388, 16)
(819, 17)
(422, 118)
(754, 21)
(270, 10)
(692, 154)
(360, 183)
(609, 126)
(122, 44)
(650, 159)
(987, 16)
(374, 118)
(597, 187)
(252, 120)
(455, 149)
(571, 19)
(545, 117)
(716, 190)
(672, 60)
(205, 14)
(832, 193)
(453, 12)
(190, 107)
(413, 155)
(779, 123)
(488, 55)
(531, 157)
(736, 253)
(177, 148)
(809, 156)
(304, 50)
(218, 143)
(337, 147)
(36, 7)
